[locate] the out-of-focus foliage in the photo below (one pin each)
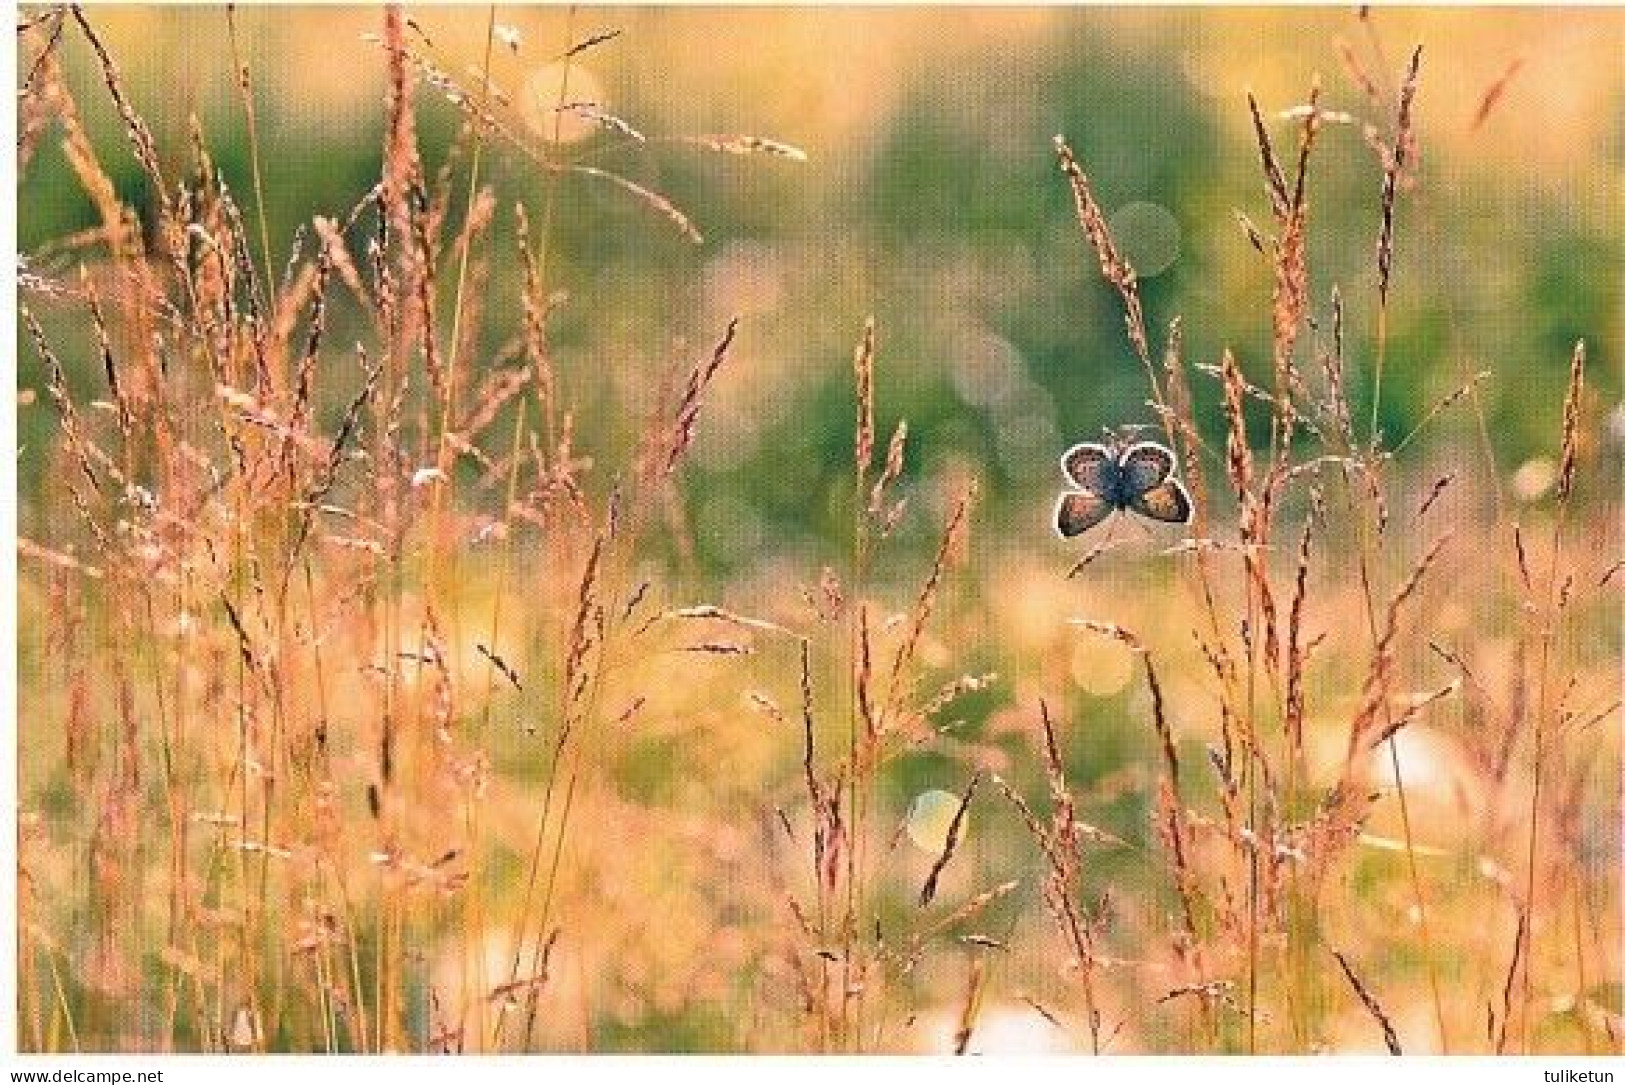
(931, 199)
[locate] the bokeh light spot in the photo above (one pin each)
(546, 90)
(1101, 666)
(930, 818)
(1149, 236)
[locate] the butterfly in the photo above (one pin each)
(1138, 476)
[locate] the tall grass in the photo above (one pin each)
(345, 658)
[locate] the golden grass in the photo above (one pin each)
(343, 660)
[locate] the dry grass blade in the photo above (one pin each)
(1518, 941)
(1274, 179)
(1398, 155)
(712, 612)
(1571, 421)
(1290, 300)
(1113, 267)
(589, 42)
(298, 620)
(1413, 712)
(1553, 604)
(952, 691)
(660, 204)
(593, 112)
(1356, 71)
(26, 548)
(1524, 576)
(972, 1006)
(815, 791)
(146, 151)
(1455, 396)
(1092, 555)
(585, 632)
(36, 101)
(972, 908)
(529, 985)
(1438, 488)
(1331, 360)
(1110, 629)
(952, 536)
(502, 666)
(57, 384)
(863, 368)
(863, 683)
(928, 892)
(1238, 449)
(1371, 1004)
(747, 145)
(1159, 718)
(892, 470)
(721, 648)
(349, 425)
(688, 409)
(1379, 676)
(1251, 232)
(1493, 93)
(1210, 991)
(1295, 652)
(1063, 811)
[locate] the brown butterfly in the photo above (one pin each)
(1136, 476)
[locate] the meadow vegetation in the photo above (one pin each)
(406, 668)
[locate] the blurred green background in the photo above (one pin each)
(931, 199)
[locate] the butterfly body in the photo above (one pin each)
(1134, 477)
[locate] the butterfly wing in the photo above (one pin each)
(1078, 511)
(1166, 501)
(1090, 466)
(1144, 465)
